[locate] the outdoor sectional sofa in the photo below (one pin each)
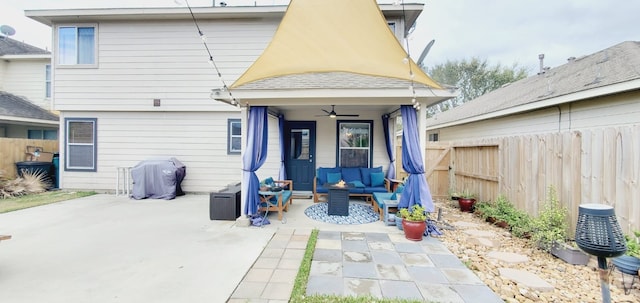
(364, 181)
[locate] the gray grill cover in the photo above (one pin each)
(158, 179)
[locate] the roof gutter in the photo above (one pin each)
(29, 120)
(31, 56)
(577, 96)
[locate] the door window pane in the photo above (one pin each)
(299, 144)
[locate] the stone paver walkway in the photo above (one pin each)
(362, 264)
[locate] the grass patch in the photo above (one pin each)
(300, 286)
(32, 200)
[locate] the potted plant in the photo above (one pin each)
(550, 226)
(454, 194)
(466, 201)
(629, 263)
(549, 231)
(414, 222)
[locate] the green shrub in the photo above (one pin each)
(416, 214)
(550, 225)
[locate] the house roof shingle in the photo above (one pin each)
(10, 46)
(617, 64)
(15, 106)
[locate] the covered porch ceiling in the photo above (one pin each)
(343, 89)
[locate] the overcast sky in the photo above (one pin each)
(501, 31)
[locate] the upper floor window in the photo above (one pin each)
(76, 45)
(234, 136)
(47, 81)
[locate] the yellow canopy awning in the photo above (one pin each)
(334, 36)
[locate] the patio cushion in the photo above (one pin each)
(357, 184)
(334, 177)
(375, 189)
(350, 174)
(366, 174)
(322, 173)
(267, 181)
(380, 197)
(356, 190)
(377, 179)
(322, 190)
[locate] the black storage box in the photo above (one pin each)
(225, 204)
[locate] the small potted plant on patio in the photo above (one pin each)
(629, 263)
(414, 222)
(466, 201)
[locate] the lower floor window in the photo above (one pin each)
(42, 134)
(354, 143)
(80, 144)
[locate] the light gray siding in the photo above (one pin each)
(26, 78)
(326, 136)
(198, 139)
(609, 111)
(142, 61)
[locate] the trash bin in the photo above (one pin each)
(33, 167)
(56, 170)
(225, 204)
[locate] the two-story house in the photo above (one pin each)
(25, 91)
(136, 83)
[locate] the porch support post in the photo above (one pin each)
(244, 119)
(422, 131)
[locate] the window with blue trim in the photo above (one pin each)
(355, 143)
(80, 144)
(234, 136)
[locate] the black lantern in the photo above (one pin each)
(598, 233)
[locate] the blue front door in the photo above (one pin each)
(300, 149)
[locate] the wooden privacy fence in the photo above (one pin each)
(587, 166)
(12, 150)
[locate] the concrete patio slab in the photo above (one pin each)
(105, 248)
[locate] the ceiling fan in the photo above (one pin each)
(333, 114)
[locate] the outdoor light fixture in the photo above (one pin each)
(598, 233)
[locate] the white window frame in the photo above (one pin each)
(339, 136)
(95, 46)
(47, 81)
(231, 136)
(93, 144)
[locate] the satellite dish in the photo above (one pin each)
(425, 52)
(7, 30)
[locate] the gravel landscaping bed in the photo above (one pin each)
(572, 283)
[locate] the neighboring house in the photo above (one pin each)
(25, 77)
(132, 84)
(20, 118)
(594, 91)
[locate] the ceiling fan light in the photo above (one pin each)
(332, 115)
